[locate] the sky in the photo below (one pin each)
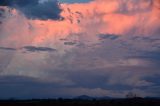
(67, 48)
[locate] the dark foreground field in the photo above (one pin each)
(75, 102)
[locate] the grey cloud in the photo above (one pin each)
(136, 6)
(33, 9)
(1, 12)
(90, 76)
(152, 56)
(8, 48)
(35, 88)
(30, 49)
(146, 39)
(38, 49)
(69, 43)
(92, 79)
(63, 39)
(108, 36)
(32, 87)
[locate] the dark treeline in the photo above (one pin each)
(80, 102)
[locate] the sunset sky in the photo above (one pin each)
(67, 48)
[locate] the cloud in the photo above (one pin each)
(35, 88)
(113, 46)
(31, 87)
(1, 12)
(69, 43)
(38, 49)
(7, 48)
(30, 49)
(108, 36)
(33, 9)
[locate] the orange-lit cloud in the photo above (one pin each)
(102, 16)
(121, 17)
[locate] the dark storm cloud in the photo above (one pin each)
(7, 48)
(33, 9)
(38, 49)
